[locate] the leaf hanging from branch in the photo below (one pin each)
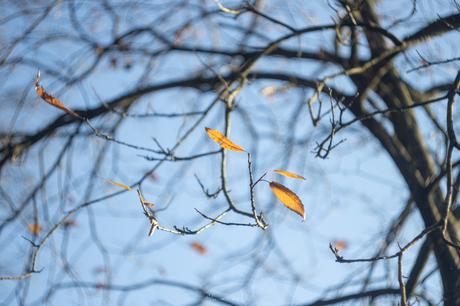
(223, 141)
(34, 228)
(289, 174)
(52, 100)
(119, 185)
(288, 198)
(149, 213)
(143, 201)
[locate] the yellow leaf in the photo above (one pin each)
(288, 198)
(198, 247)
(52, 100)
(269, 91)
(289, 174)
(223, 141)
(119, 185)
(34, 228)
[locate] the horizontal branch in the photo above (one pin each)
(354, 296)
(145, 284)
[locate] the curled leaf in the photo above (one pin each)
(198, 247)
(119, 185)
(289, 174)
(288, 198)
(52, 100)
(223, 141)
(34, 228)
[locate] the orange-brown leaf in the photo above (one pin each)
(69, 223)
(223, 141)
(199, 248)
(288, 198)
(50, 99)
(119, 185)
(34, 228)
(143, 200)
(289, 174)
(339, 244)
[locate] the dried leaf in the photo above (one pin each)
(69, 223)
(143, 200)
(339, 244)
(52, 100)
(101, 286)
(199, 248)
(34, 228)
(118, 184)
(149, 213)
(223, 141)
(289, 174)
(288, 198)
(268, 91)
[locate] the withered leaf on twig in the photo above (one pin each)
(34, 228)
(118, 184)
(223, 141)
(288, 198)
(149, 213)
(289, 174)
(52, 100)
